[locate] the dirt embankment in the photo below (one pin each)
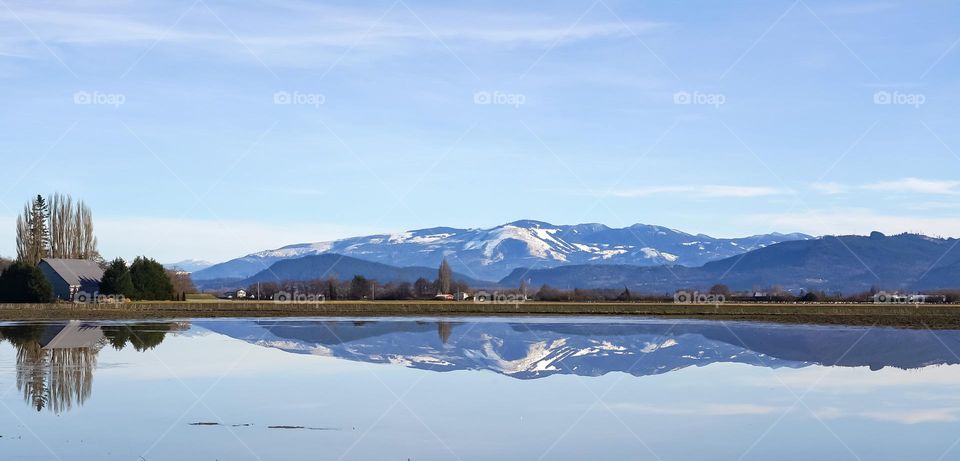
(908, 315)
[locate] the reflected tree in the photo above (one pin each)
(142, 336)
(53, 377)
(444, 329)
(55, 363)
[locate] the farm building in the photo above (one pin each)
(71, 276)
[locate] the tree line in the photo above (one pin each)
(360, 287)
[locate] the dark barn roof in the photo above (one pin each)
(76, 271)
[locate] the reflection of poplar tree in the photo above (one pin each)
(444, 329)
(70, 377)
(31, 363)
(55, 379)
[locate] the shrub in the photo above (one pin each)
(24, 283)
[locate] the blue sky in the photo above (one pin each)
(207, 129)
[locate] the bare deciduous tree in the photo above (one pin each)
(71, 229)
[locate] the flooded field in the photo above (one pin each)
(475, 389)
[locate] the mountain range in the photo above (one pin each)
(844, 264)
(491, 254)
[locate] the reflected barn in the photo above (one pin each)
(55, 362)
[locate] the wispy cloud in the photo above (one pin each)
(900, 186)
(700, 191)
(899, 416)
(706, 409)
(917, 186)
(276, 32)
(830, 188)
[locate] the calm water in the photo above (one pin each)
(475, 389)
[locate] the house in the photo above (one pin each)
(71, 276)
(927, 299)
(239, 294)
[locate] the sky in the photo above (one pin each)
(205, 129)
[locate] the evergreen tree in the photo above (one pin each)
(359, 287)
(117, 280)
(150, 281)
(24, 283)
(33, 235)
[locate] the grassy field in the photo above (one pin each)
(906, 315)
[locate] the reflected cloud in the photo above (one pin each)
(708, 409)
(900, 416)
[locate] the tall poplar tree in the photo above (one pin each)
(445, 277)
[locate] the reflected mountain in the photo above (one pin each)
(540, 348)
(55, 361)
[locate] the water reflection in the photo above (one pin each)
(55, 361)
(536, 349)
(476, 389)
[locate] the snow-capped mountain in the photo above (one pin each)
(188, 265)
(528, 349)
(493, 253)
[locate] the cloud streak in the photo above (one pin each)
(274, 33)
(700, 191)
(898, 186)
(706, 409)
